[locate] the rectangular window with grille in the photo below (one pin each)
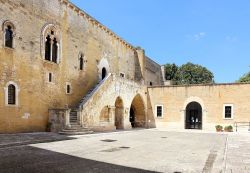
(11, 95)
(228, 111)
(159, 111)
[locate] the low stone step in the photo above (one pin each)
(75, 130)
(75, 124)
(75, 133)
(69, 130)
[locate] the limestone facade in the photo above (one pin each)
(42, 84)
(59, 67)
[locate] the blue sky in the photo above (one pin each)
(213, 33)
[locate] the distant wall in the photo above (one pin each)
(153, 73)
(211, 97)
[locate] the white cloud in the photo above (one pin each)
(231, 38)
(197, 36)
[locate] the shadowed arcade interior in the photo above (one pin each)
(119, 113)
(137, 113)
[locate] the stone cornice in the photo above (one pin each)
(96, 23)
(199, 85)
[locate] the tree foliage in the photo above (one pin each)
(189, 74)
(245, 78)
(170, 71)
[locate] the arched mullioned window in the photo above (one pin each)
(51, 43)
(81, 62)
(9, 30)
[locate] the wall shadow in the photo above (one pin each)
(150, 112)
(29, 159)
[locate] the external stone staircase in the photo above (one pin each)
(89, 94)
(75, 127)
(73, 117)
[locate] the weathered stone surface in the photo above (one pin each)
(25, 64)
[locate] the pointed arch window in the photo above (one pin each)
(9, 37)
(9, 32)
(51, 44)
(55, 51)
(47, 48)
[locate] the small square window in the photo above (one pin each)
(122, 75)
(228, 111)
(159, 111)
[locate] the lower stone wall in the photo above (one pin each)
(57, 119)
(212, 99)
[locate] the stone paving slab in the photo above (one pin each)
(238, 153)
(10, 140)
(143, 151)
(151, 150)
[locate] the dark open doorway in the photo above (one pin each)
(132, 117)
(193, 116)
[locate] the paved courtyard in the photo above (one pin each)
(131, 151)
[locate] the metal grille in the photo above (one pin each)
(11, 95)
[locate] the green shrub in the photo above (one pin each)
(219, 128)
(228, 128)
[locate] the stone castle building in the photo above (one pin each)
(61, 69)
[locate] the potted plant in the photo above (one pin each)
(219, 128)
(228, 128)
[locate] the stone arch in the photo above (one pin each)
(194, 99)
(103, 67)
(119, 113)
(51, 39)
(197, 108)
(137, 115)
